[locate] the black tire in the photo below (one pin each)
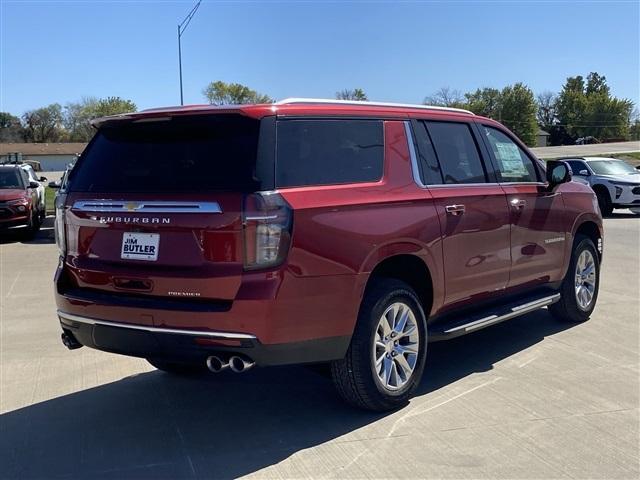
(33, 227)
(354, 376)
(604, 201)
(175, 368)
(567, 309)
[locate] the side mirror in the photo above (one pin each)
(584, 173)
(43, 179)
(557, 172)
(54, 185)
(34, 184)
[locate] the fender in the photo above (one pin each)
(432, 261)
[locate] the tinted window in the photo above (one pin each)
(457, 152)
(576, 166)
(427, 160)
(184, 154)
(325, 152)
(513, 164)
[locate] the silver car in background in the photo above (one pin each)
(615, 182)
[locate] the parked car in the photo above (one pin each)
(313, 231)
(41, 205)
(615, 182)
(19, 206)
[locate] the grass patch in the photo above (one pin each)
(49, 196)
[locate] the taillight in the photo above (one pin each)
(266, 220)
(59, 229)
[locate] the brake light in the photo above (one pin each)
(266, 221)
(59, 228)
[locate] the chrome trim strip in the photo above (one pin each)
(412, 153)
(125, 206)
(294, 100)
(195, 333)
(515, 312)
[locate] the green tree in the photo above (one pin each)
(10, 128)
(44, 124)
(518, 112)
(356, 94)
(78, 116)
(221, 93)
(486, 102)
(589, 109)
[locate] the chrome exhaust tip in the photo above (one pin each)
(216, 364)
(239, 364)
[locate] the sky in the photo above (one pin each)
(59, 52)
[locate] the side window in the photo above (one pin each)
(25, 177)
(577, 166)
(326, 152)
(457, 152)
(427, 160)
(513, 164)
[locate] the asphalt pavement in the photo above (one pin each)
(529, 398)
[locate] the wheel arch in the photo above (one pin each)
(590, 229)
(410, 269)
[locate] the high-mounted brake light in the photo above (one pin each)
(266, 220)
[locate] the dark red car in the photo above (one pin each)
(19, 205)
(313, 231)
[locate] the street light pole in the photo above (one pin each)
(181, 28)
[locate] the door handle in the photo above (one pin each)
(455, 209)
(518, 204)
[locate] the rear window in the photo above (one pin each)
(182, 154)
(326, 152)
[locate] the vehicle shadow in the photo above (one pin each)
(44, 236)
(155, 425)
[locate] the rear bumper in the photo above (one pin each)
(194, 345)
(275, 319)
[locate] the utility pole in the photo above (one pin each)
(181, 28)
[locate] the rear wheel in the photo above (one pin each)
(385, 360)
(579, 290)
(177, 368)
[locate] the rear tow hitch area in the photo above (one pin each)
(70, 341)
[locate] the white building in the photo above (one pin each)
(53, 157)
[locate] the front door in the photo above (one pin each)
(538, 231)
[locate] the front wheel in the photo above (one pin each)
(579, 289)
(385, 360)
(604, 202)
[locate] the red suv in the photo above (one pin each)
(315, 231)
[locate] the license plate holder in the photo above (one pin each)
(140, 246)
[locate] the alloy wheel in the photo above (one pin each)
(396, 346)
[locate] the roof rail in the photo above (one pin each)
(293, 101)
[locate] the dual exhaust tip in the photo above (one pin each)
(235, 363)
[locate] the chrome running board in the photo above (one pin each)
(454, 328)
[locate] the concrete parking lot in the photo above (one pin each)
(530, 398)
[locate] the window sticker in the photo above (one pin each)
(509, 156)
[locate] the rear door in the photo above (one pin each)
(154, 207)
(538, 230)
(472, 210)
